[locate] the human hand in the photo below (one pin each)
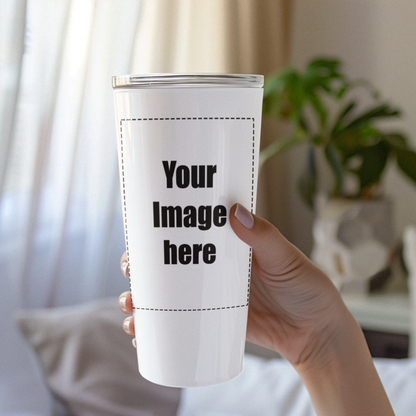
(292, 305)
(124, 301)
(295, 310)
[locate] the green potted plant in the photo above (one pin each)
(338, 119)
(322, 106)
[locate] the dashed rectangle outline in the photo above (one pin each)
(123, 190)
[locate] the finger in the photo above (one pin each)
(128, 325)
(125, 303)
(124, 265)
(273, 253)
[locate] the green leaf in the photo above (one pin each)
(351, 142)
(374, 161)
(279, 80)
(323, 70)
(358, 133)
(377, 112)
(283, 97)
(322, 75)
(344, 113)
(396, 140)
(406, 160)
(318, 107)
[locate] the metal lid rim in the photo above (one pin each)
(186, 80)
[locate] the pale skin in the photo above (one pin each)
(295, 310)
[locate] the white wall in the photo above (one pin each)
(376, 39)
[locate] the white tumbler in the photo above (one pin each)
(188, 149)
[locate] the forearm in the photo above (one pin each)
(297, 311)
(343, 380)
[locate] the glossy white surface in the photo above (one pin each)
(190, 153)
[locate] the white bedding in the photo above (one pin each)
(265, 387)
(273, 388)
(92, 334)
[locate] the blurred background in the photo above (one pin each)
(61, 232)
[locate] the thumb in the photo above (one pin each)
(272, 251)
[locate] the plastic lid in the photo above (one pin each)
(188, 80)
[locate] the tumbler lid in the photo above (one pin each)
(188, 80)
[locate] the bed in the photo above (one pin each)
(77, 360)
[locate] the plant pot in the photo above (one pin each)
(353, 239)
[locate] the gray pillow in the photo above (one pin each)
(90, 363)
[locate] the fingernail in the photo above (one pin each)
(126, 325)
(122, 302)
(133, 341)
(244, 216)
(124, 268)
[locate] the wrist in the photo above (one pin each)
(341, 377)
(333, 343)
